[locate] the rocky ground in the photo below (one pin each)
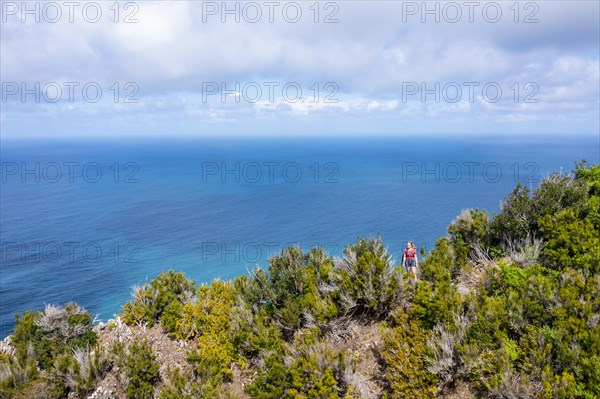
(359, 340)
(169, 353)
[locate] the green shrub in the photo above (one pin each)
(516, 219)
(308, 368)
(273, 380)
(142, 370)
(254, 331)
(570, 242)
(470, 235)
(52, 350)
(365, 278)
(441, 264)
(556, 193)
(209, 322)
(297, 289)
(315, 367)
(151, 300)
(403, 354)
(186, 386)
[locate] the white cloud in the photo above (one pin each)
(386, 106)
(370, 54)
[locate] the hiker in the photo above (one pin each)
(409, 259)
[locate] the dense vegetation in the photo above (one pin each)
(507, 306)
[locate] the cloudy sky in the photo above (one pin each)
(302, 68)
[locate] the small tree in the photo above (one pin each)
(366, 277)
(516, 220)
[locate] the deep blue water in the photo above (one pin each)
(70, 233)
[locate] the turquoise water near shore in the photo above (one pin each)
(85, 220)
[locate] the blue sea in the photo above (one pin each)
(85, 220)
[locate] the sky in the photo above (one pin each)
(192, 68)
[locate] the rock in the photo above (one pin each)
(6, 347)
